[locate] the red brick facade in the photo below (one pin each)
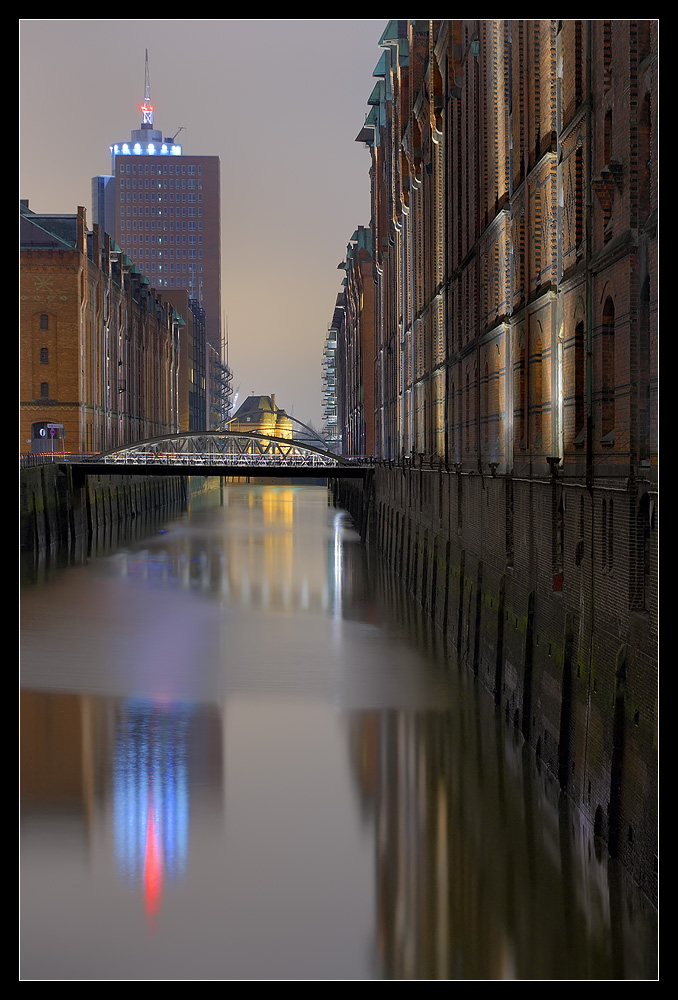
(514, 234)
(514, 222)
(99, 349)
(355, 348)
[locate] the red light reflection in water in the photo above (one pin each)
(153, 870)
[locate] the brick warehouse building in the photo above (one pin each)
(514, 235)
(355, 348)
(99, 349)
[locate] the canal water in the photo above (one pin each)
(246, 756)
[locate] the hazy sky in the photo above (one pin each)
(279, 102)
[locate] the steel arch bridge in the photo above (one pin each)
(225, 453)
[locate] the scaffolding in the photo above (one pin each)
(221, 387)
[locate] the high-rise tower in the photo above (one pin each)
(162, 207)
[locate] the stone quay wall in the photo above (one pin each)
(547, 592)
(56, 514)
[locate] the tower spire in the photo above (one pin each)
(147, 107)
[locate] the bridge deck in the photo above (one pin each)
(83, 469)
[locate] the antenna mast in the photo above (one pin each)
(147, 107)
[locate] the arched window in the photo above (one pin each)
(44, 356)
(44, 321)
(44, 390)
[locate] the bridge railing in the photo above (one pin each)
(179, 459)
(282, 458)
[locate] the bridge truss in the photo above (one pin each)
(221, 448)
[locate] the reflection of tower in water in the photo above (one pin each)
(150, 795)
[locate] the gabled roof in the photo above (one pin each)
(48, 232)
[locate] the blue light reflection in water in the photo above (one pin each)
(150, 795)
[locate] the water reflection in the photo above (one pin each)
(246, 755)
(150, 795)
